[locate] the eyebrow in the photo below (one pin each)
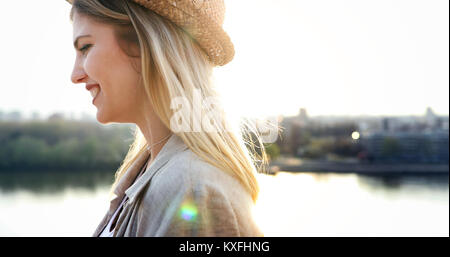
(75, 43)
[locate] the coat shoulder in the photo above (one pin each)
(187, 185)
(189, 171)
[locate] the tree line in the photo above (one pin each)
(68, 145)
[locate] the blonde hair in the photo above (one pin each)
(173, 65)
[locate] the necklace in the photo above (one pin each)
(150, 147)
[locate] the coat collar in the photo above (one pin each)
(174, 145)
(125, 185)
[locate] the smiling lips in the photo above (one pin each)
(94, 89)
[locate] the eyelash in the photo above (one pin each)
(85, 47)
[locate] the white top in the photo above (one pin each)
(107, 231)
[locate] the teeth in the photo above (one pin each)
(94, 91)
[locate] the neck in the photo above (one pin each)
(154, 131)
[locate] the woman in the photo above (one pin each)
(149, 63)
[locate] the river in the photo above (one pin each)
(289, 204)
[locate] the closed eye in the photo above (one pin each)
(85, 47)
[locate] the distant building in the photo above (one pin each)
(35, 116)
(411, 147)
(87, 117)
(302, 116)
(445, 125)
(430, 117)
(385, 124)
(13, 116)
(56, 117)
(414, 138)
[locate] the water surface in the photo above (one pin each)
(290, 204)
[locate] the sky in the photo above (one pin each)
(347, 57)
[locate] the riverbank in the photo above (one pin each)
(300, 165)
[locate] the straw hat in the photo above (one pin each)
(202, 19)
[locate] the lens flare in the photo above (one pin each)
(188, 212)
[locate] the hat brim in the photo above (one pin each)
(209, 35)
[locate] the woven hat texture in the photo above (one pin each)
(202, 19)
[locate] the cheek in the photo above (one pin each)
(92, 66)
(125, 90)
(127, 79)
(120, 83)
(130, 94)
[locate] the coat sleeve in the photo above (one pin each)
(193, 211)
(204, 211)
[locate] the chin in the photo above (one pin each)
(107, 118)
(102, 118)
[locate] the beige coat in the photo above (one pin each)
(180, 195)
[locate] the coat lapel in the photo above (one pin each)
(174, 145)
(125, 187)
(119, 192)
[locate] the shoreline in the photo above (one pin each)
(297, 165)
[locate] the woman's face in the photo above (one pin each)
(100, 61)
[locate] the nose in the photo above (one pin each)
(78, 75)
